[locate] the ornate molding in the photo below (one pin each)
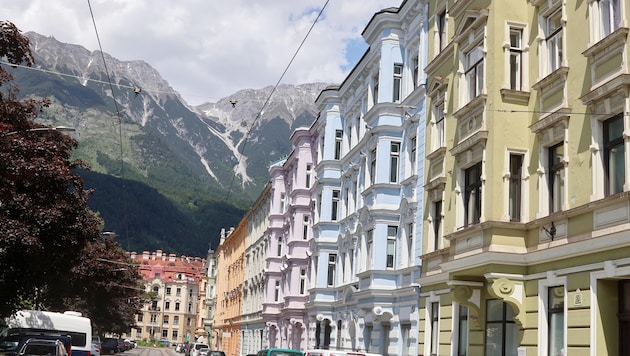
(511, 292)
(468, 294)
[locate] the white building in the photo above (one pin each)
(368, 203)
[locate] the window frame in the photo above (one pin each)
(397, 80)
(556, 194)
(516, 54)
(338, 144)
(394, 161)
(515, 187)
(553, 40)
(471, 187)
(474, 71)
(332, 264)
(434, 336)
(334, 205)
(609, 145)
(437, 223)
(390, 251)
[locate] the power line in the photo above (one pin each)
(238, 161)
(120, 122)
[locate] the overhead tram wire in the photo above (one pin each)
(238, 162)
(120, 122)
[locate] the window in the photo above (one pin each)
(165, 319)
(412, 155)
(462, 331)
(614, 152)
(472, 195)
(437, 224)
(441, 30)
(165, 333)
(178, 292)
(190, 307)
(174, 335)
(609, 16)
(369, 244)
(156, 289)
(555, 317)
(392, 233)
(154, 305)
(302, 280)
(416, 71)
(516, 164)
(167, 305)
(140, 317)
(309, 171)
(176, 306)
(556, 177)
(553, 40)
(474, 72)
(276, 294)
(154, 318)
(168, 290)
(338, 141)
(305, 227)
(410, 257)
(188, 321)
(516, 58)
(176, 320)
(332, 262)
(279, 248)
(373, 165)
(438, 141)
(501, 330)
(394, 155)
(398, 68)
(282, 199)
(375, 90)
(334, 210)
(434, 318)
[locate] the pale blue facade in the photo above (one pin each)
(367, 214)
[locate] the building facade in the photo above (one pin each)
(253, 328)
(173, 284)
(229, 290)
(366, 238)
(209, 282)
(527, 200)
(288, 245)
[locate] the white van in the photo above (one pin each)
(194, 349)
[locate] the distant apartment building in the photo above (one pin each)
(527, 191)
(228, 314)
(367, 236)
(287, 248)
(253, 328)
(206, 309)
(173, 285)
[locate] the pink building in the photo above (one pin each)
(288, 236)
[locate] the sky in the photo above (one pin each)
(209, 49)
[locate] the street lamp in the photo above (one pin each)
(42, 129)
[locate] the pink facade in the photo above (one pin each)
(288, 239)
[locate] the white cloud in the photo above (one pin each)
(209, 49)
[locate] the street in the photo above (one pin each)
(150, 351)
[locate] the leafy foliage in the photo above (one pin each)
(49, 238)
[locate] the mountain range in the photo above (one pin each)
(166, 175)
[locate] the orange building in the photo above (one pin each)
(230, 276)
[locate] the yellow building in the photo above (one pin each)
(527, 225)
(229, 289)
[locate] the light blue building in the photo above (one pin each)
(367, 214)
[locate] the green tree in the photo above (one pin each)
(49, 239)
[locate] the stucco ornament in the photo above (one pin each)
(511, 292)
(469, 297)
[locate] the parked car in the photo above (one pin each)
(43, 347)
(203, 351)
(96, 346)
(121, 345)
(11, 344)
(194, 349)
(215, 353)
(109, 345)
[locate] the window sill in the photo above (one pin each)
(517, 96)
